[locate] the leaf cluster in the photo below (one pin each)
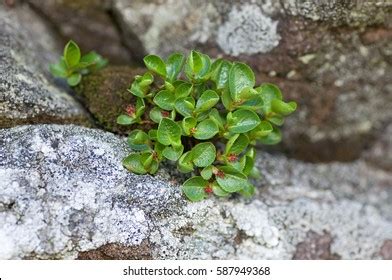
(206, 116)
(73, 65)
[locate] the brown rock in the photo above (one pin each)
(114, 251)
(386, 250)
(315, 247)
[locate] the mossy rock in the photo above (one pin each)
(105, 95)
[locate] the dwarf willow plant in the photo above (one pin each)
(205, 116)
(73, 65)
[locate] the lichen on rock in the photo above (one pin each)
(64, 194)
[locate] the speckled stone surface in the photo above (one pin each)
(63, 191)
(28, 93)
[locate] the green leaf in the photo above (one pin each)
(185, 106)
(206, 173)
(139, 140)
(220, 73)
(187, 124)
(268, 93)
(125, 120)
(185, 164)
(169, 132)
(140, 107)
(152, 134)
(146, 80)
(194, 187)
(173, 65)
(263, 129)
(242, 120)
(133, 164)
(173, 153)
(254, 103)
(218, 191)
(276, 119)
(231, 180)
(207, 100)
(183, 90)
(137, 90)
(155, 64)
(281, 107)
(74, 79)
(217, 118)
(165, 99)
(59, 69)
(206, 130)
(236, 144)
(227, 100)
(240, 77)
(71, 54)
(197, 65)
(272, 138)
(203, 154)
(248, 190)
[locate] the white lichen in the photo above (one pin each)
(248, 31)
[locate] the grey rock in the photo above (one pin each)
(63, 191)
(28, 93)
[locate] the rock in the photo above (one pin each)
(380, 153)
(88, 23)
(28, 94)
(332, 57)
(64, 194)
(105, 95)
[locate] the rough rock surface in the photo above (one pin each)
(27, 92)
(88, 23)
(64, 194)
(105, 95)
(332, 57)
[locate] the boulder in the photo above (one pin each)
(64, 194)
(332, 57)
(28, 94)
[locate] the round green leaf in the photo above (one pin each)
(169, 132)
(207, 100)
(281, 107)
(59, 69)
(231, 180)
(203, 154)
(187, 124)
(74, 79)
(218, 191)
(194, 187)
(165, 99)
(242, 121)
(173, 153)
(185, 106)
(269, 92)
(206, 173)
(139, 140)
(125, 120)
(206, 130)
(236, 144)
(240, 77)
(155, 64)
(217, 118)
(71, 54)
(185, 164)
(248, 190)
(173, 65)
(220, 73)
(137, 90)
(133, 164)
(272, 138)
(183, 90)
(263, 129)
